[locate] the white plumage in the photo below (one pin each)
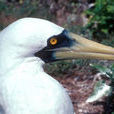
(25, 46)
(24, 86)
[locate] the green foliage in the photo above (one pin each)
(109, 42)
(2, 6)
(109, 72)
(25, 8)
(103, 70)
(101, 88)
(101, 21)
(112, 74)
(17, 9)
(64, 67)
(60, 67)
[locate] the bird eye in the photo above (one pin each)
(53, 41)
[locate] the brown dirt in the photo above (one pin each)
(79, 85)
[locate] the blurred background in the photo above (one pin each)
(93, 19)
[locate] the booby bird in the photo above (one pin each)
(25, 46)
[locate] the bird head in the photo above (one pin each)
(50, 42)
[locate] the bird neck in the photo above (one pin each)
(12, 56)
(15, 61)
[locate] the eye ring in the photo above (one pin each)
(53, 41)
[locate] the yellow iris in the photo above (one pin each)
(53, 41)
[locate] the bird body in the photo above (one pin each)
(24, 86)
(25, 46)
(28, 90)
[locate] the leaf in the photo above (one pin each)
(112, 68)
(100, 90)
(110, 8)
(104, 30)
(103, 70)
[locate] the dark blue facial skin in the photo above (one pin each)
(47, 54)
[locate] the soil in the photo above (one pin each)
(80, 85)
